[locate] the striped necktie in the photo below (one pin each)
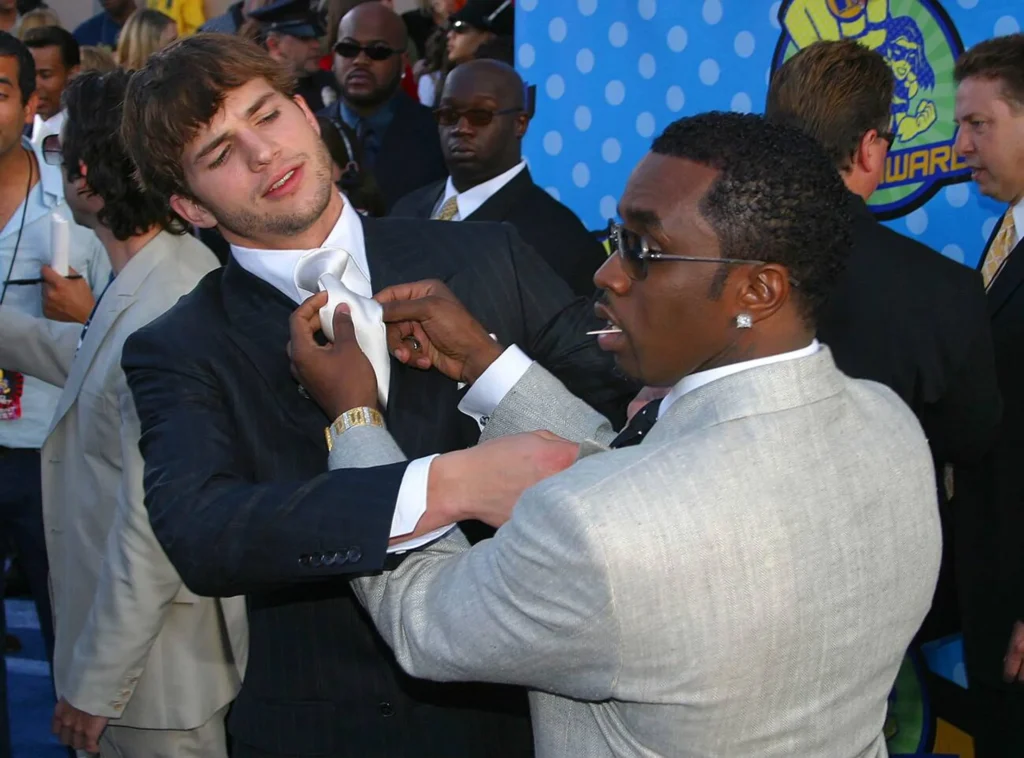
(448, 210)
(1000, 250)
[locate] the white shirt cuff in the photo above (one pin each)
(492, 386)
(411, 505)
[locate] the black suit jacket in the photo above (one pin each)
(410, 150)
(549, 227)
(909, 318)
(239, 495)
(989, 502)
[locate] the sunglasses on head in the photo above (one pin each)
(636, 255)
(375, 51)
(447, 116)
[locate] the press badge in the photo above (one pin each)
(12, 385)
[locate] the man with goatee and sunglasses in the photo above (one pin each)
(398, 134)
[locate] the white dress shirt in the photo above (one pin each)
(277, 268)
(483, 397)
(470, 200)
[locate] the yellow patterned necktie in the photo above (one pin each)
(1000, 250)
(447, 211)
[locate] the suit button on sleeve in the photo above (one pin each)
(354, 554)
(304, 560)
(386, 709)
(330, 558)
(316, 560)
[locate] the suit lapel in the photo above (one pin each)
(411, 393)
(1008, 280)
(498, 205)
(429, 198)
(116, 299)
(258, 316)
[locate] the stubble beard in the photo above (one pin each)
(250, 225)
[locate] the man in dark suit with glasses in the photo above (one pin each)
(398, 134)
(482, 119)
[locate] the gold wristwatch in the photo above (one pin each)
(363, 416)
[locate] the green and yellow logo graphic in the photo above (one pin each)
(921, 45)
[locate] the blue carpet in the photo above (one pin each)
(29, 691)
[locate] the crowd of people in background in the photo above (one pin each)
(254, 524)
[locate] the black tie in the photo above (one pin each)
(638, 426)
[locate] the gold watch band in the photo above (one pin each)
(363, 416)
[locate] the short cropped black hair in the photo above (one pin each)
(12, 47)
(55, 36)
(94, 103)
(777, 198)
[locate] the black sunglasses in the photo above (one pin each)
(636, 254)
(52, 150)
(475, 116)
(375, 51)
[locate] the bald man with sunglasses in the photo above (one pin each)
(398, 134)
(482, 119)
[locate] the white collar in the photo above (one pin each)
(693, 381)
(471, 200)
(277, 267)
(1018, 221)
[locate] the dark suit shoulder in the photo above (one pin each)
(909, 263)
(419, 203)
(541, 206)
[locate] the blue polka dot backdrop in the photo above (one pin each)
(611, 74)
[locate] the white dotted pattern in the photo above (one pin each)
(552, 143)
(663, 59)
(585, 61)
(527, 55)
(557, 29)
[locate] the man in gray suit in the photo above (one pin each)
(741, 577)
(134, 647)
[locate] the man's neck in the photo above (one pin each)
(367, 110)
(768, 345)
(122, 251)
(859, 184)
(465, 181)
(15, 165)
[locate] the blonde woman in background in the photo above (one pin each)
(97, 59)
(37, 18)
(145, 32)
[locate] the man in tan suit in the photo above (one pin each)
(741, 572)
(134, 647)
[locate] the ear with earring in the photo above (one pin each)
(744, 321)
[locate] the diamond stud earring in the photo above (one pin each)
(744, 321)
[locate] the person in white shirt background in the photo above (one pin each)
(31, 196)
(57, 57)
